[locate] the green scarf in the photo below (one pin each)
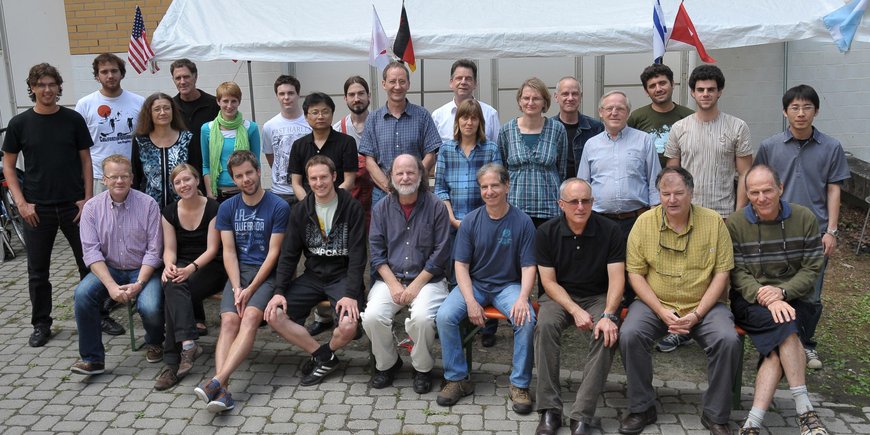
(216, 144)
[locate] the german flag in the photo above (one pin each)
(402, 47)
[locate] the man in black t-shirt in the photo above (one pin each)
(581, 260)
(57, 166)
(197, 107)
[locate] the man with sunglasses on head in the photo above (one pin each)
(678, 259)
(778, 256)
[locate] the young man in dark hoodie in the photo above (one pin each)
(329, 229)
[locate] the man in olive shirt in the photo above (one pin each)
(657, 117)
(678, 259)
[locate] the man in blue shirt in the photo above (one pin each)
(252, 225)
(495, 265)
(410, 249)
(813, 166)
(621, 165)
(399, 127)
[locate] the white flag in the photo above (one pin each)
(378, 56)
(660, 32)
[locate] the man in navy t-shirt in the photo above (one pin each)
(252, 226)
(495, 265)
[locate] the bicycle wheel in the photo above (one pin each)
(14, 216)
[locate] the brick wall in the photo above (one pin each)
(97, 27)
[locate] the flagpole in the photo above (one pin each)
(251, 86)
(422, 77)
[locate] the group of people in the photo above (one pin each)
(651, 228)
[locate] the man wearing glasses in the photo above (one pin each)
(777, 256)
(123, 247)
(813, 166)
(581, 259)
(621, 165)
(678, 259)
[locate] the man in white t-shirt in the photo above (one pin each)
(281, 131)
(110, 113)
(463, 82)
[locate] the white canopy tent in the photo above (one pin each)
(340, 30)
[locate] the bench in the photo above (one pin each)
(469, 330)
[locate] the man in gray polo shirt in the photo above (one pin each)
(812, 166)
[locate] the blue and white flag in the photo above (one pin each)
(660, 31)
(843, 23)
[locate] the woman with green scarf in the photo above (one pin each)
(219, 138)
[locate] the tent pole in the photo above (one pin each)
(422, 77)
(373, 87)
(251, 88)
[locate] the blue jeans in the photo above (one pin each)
(89, 297)
(454, 310)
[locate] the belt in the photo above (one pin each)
(626, 215)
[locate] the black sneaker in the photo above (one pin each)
(111, 327)
(384, 378)
(39, 336)
(487, 340)
(321, 369)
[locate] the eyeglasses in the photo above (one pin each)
(531, 99)
(672, 241)
(575, 202)
(160, 109)
(317, 113)
(118, 177)
(807, 108)
(617, 109)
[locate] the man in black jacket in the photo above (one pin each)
(329, 229)
(197, 107)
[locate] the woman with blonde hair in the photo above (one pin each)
(219, 138)
(193, 270)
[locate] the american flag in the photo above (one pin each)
(139, 52)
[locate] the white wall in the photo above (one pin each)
(843, 84)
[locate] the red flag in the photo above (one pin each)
(684, 31)
(403, 48)
(139, 52)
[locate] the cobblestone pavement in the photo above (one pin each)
(39, 394)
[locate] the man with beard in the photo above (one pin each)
(252, 226)
(281, 132)
(110, 113)
(657, 117)
(410, 247)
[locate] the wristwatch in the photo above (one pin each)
(834, 232)
(784, 294)
(613, 317)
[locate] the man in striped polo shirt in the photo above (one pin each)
(714, 147)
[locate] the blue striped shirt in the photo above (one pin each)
(456, 175)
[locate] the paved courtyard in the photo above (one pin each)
(39, 394)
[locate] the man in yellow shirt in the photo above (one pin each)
(678, 259)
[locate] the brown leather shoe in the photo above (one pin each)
(580, 428)
(635, 422)
(715, 428)
(551, 421)
(166, 379)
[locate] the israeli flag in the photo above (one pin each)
(660, 31)
(843, 23)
